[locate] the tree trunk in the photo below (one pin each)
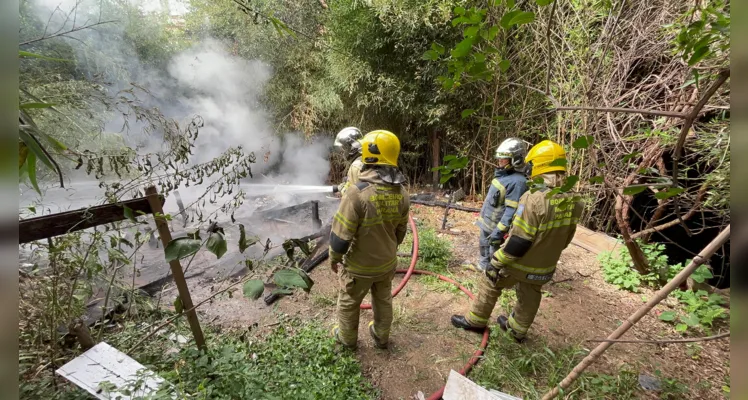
(435, 159)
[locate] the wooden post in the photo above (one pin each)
(435, 159)
(176, 267)
(700, 259)
(316, 222)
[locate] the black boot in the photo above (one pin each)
(459, 321)
(504, 324)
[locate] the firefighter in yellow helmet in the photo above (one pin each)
(370, 223)
(348, 142)
(543, 227)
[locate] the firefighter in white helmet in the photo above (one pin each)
(507, 186)
(348, 142)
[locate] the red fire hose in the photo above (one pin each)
(412, 270)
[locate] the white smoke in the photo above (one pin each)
(205, 80)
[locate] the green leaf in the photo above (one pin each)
(180, 248)
(278, 291)
(25, 106)
(571, 180)
(698, 55)
(430, 55)
(692, 320)
(543, 3)
(583, 142)
(460, 20)
(22, 53)
(253, 289)
(596, 180)
(35, 148)
(504, 65)
(217, 244)
(471, 31)
(290, 278)
(492, 32)
(438, 48)
(459, 10)
(245, 242)
(634, 189)
(307, 279)
(681, 328)
(467, 113)
(128, 214)
(559, 162)
(31, 165)
(670, 192)
(516, 17)
(463, 48)
(668, 316)
(178, 306)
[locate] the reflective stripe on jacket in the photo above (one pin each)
(501, 201)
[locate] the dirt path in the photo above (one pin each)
(578, 306)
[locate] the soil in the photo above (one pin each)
(578, 305)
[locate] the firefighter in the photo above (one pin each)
(347, 141)
(370, 223)
(543, 227)
(507, 186)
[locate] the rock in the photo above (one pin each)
(649, 382)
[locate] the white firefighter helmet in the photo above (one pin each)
(515, 150)
(346, 140)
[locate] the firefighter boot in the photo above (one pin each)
(504, 324)
(459, 321)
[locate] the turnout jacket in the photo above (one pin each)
(501, 201)
(354, 170)
(370, 223)
(542, 228)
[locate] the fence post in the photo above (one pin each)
(176, 267)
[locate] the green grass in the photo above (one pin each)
(295, 361)
(530, 370)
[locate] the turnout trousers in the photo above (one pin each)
(528, 302)
(352, 290)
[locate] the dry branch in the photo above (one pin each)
(623, 110)
(665, 341)
(700, 259)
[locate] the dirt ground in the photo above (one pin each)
(578, 306)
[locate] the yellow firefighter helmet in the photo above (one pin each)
(542, 155)
(380, 148)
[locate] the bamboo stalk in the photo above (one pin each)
(700, 259)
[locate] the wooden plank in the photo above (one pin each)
(47, 226)
(103, 363)
(459, 387)
(594, 242)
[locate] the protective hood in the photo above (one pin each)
(382, 174)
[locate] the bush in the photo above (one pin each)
(700, 311)
(619, 269)
(434, 253)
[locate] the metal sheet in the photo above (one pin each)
(103, 363)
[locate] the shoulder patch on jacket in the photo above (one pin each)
(362, 185)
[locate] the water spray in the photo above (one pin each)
(273, 188)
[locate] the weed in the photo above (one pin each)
(618, 269)
(700, 310)
(297, 360)
(434, 252)
(323, 301)
(528, 371)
